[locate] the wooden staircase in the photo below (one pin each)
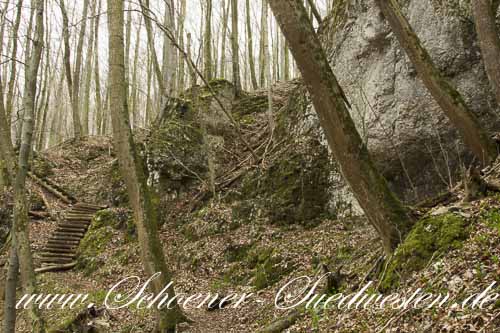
(60, 250)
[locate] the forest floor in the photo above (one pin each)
(219, 245)
(223, 258)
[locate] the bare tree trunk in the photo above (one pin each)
(225, 15)
(267, 69)
(4, 175)
(383, 210)
(207, 42)
(485, 20)
(148, 116)
(44, 106)
(71, 81)
(251, 60)
(285, 60)
(314, 11)
(235, 48)
(149, 30)
(134, 83)
(444, 93)
(27, 52)
(13, 70)
(169, 51)
(9, 313)
(275, 53)
(263, 43)
(88, 73)
(192, 72)
(97, 80)
(128, 35)
(145, 214)
(78, 68)
(182, 65)
(20, 235)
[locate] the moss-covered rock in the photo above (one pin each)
(236, 253)
(250, 105)
(96, 240)
(42, 167)
(429, 238)
(293, 189)
(35, 201)
(117, 194)
(174, 155)
(267, 267)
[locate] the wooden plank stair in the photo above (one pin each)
(62, 245)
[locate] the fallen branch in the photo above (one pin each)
(49, 186)
(38, 215)
(282, 324)
(55, 268)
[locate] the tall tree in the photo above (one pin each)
(383, 210)
(134, 84)
(20, 236)
(267, 69)
(251, 60)
(170, 58)
(485, 19)
(88, 72)
(264, 43)
(314, 11)
(13, 71)
(70, 76)
(192, 73)
(235, 48)
(149, 31)
(78, 66)
(182, 65)
(225, 15)
(448, 98)
(207, 42)
(97, 80)
(144, 212)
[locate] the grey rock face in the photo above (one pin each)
(407, 133)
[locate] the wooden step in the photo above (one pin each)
(79, 216)
(57, 255)
(63, 242)
(56, 260)
(61, 247)
(50, 249)
(73, 222)
(76, 228)
(59, 237)
(57, 245)
(71, 234)
(88, 205)
(82, 211)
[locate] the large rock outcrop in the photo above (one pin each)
(406, 131)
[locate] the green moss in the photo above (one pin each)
(429, 238)
(42, 167)
(117, 194)
(249, 106)
(237, 252)
(95, 242)
(175, 154)
(266, 266)
(294, 189)
(36, 202)
(492, 218)
(268, 272)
